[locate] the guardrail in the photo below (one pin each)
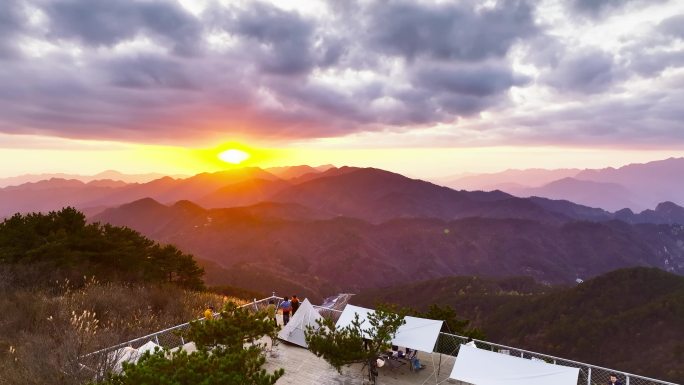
(446, 344)
(589, 374)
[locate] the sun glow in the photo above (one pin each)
(233, 156)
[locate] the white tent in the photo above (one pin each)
(417, 333)
(305, 316)
(130, 355)
(148, 347)
(482, 367)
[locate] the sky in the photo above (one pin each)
(422, 87)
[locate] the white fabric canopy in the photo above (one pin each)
(482, 367)
(130, 355)
(417, 333)
(305, 316)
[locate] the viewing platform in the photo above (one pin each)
(303, 367)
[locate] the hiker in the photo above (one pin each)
(613, 380)
(286, 307)
(271, 311)
(209, 313)
(295, 304)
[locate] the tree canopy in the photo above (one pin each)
(62, 241)
(362, 341)
(227, 354)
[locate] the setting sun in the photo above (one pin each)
(233, 156)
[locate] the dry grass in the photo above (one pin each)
(44, 331)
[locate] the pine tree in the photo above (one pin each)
(360, 342)
(227, 354)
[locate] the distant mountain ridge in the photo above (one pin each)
(637, 186)
(292, 242)
(370, 194)
(104, 175)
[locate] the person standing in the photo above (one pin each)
(271, 310)
(286, 308)
(613, 380)
(295, 304)
(209, 313)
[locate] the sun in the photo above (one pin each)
(233, 156)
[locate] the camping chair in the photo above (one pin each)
(395, 359)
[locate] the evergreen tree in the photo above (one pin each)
(63, 245)
(360, 342)
(227, 354)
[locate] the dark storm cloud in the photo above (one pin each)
(105, 22)
(284, 39)
(673, 26)
(658, 52)
(588, 71)
(448, 30)
(12, 23)
(480, 80)
(148, 71)
(594, 7)
(599, 8)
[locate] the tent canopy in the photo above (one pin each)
(482, 367)
(417, 333)
(305, 316)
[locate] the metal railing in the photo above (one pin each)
(105, 360)
(446, 344)
(588, 374)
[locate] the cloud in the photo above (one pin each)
(280, 41)
(152, 71)
(600, 8)
(12, 23)
(480, 80)
(673, 26)
(448, 30)
(587, 71)
(99, 23)
(148, 71)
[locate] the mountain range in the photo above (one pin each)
(352, 228)
(636, 186)
(104, 175)
(327, 229)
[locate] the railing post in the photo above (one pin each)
(156, 338)
(182, 340)
(589, 376)
(627, 378)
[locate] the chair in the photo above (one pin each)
(392, 360)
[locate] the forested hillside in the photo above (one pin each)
(630, 319)
(68, 288)
(61, 245)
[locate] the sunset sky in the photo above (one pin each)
(427, 88)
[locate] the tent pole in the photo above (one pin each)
(439, 368)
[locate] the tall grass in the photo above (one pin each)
(44, 331)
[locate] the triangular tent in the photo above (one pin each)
(305, 316)
(148, 347)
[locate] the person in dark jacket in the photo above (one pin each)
(613, 380)
(286, 307)
(295, 304)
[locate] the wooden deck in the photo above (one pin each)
(304, 368)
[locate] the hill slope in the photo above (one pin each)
(347, 254)
(629, 319)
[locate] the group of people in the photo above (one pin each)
(288, 306)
